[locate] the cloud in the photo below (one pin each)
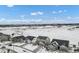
(40, 13)
(72, 17)
(69, 17)
(33, 13)
(59, 11)
(64, 10)
(37, 13)
(22, 16)
(10, 5)
(54, 12)
(36, 20)
(19, 21)
(2, 19)
(77, 18)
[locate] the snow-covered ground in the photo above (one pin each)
(53, 32)
(30, 47)
(50, 31)
(14, 48)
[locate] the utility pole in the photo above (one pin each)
(11, 39)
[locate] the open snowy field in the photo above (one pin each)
(53, 32)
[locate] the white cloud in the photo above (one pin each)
(22, 16)
(19, 21)
(36, 20)
(69, 17)
(59, 11)
(77, 18)
(33, 13)
(40, 13)
(10, 5)
(37, 13)
(2, 19)
(62, 11)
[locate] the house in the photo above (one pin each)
(4, 37)
(18, 39)
(63, 48)
(29, 39)
(43, 40)
(50, 47)
(61, 42)
(76, 50)
(53, 46)
(57, 44)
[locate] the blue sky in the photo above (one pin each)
(22, 14)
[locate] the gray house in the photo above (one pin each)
(4, 37)
(18, 39)
(43, 40)
(29, 39)
(61, 42)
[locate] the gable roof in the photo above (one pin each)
(61, 42)
(42, 37)
(19, 37)
(1, 33)
(30, 37)
(4, 34)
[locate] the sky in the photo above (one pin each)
(27, 14)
